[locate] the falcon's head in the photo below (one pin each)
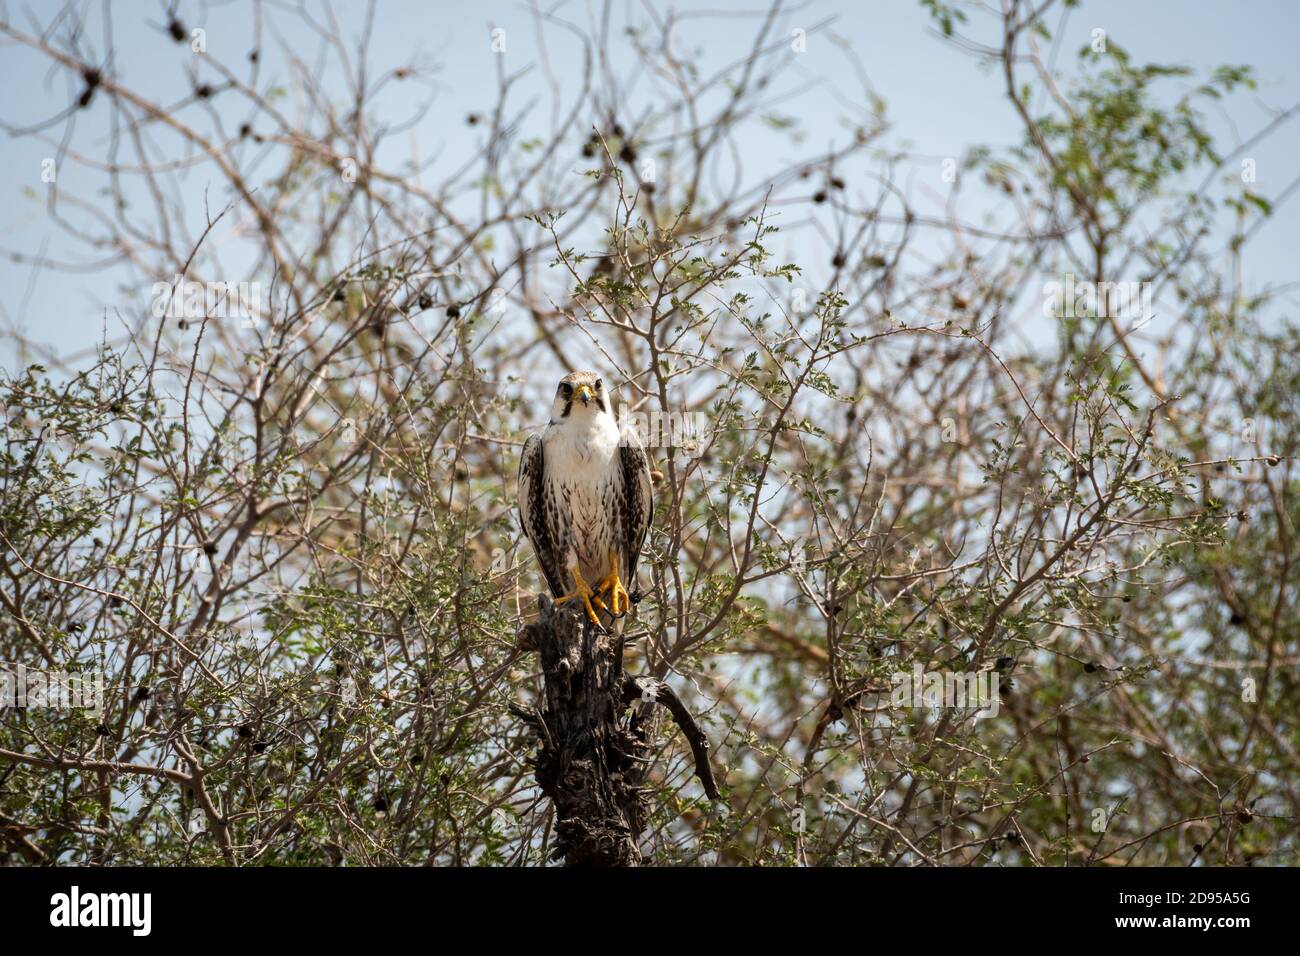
(580, 396)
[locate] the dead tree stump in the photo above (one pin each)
(592, 752)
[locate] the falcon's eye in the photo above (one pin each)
(599, 384)
(566, 388)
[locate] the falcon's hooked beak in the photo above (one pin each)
(584, 392)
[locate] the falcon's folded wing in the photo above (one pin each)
(532, 513)
(637, 504)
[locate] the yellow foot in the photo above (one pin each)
(619, 600)
(588, 596)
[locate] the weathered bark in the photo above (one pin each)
(592, 755)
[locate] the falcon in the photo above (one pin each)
(584, 499)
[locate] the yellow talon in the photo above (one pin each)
(581, 590)
(620, 601)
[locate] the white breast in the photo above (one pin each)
(584, 468)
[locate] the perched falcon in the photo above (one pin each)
(584, 498)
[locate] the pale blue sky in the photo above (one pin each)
(940, 103)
